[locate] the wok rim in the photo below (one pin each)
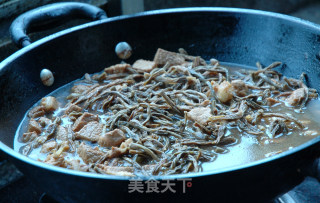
(10, 151)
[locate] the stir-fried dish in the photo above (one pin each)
(161, 117)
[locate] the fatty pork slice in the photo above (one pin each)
(200, 115)
(239, 88)
(79, 89)
(72, 108)
(296, 97)
(119, 151)
(44, 121)
(61, 133)
(112, 138)
(142, 66)
(83, 120)
(36, 112)
(48, 146)
(56, 160)
(29, 136)
(162, 57)
(75, 164)
(118, 68)
(91, 132)
(224, 91)
(34, 126)
(49, 104)
(115, 170)
(88, 154)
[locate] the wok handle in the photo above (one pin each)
(50, 13)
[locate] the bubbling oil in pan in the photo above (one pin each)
(136, 137)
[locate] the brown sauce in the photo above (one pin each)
(244, 146)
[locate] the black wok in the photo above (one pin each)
(230, 35)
